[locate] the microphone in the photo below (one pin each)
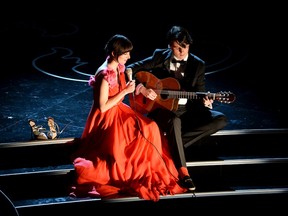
(129, 73)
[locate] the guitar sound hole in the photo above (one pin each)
(164, 96)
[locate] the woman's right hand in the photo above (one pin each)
(130, 87)
(148, 93)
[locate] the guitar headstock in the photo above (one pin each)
(225, 97)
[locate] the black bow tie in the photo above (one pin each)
(178, 61)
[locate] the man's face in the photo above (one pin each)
(179, 51)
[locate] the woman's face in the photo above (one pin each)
(122, 59)
(179, 52)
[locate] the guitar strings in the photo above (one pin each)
(141, 132)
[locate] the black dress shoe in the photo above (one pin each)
(187, 182)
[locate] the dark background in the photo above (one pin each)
(242, 45)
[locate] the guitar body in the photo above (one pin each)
(168, 94)
(145, 105)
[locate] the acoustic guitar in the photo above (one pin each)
(168, 94)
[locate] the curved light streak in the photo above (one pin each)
(67, 56)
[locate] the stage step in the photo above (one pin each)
(246, 143)
(207, 175)
(259, 200)
(243, 163)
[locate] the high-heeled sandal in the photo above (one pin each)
(54, 128)
(37, 131)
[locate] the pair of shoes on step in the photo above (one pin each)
(188, 183)
(39, 133)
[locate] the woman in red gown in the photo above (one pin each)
(121, 152)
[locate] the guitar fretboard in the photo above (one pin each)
(183, 94)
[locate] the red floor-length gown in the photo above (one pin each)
(122, 151)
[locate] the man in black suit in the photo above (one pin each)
(194, 118)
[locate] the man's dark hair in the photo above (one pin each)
(179, 34)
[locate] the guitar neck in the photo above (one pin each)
(183, 94)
